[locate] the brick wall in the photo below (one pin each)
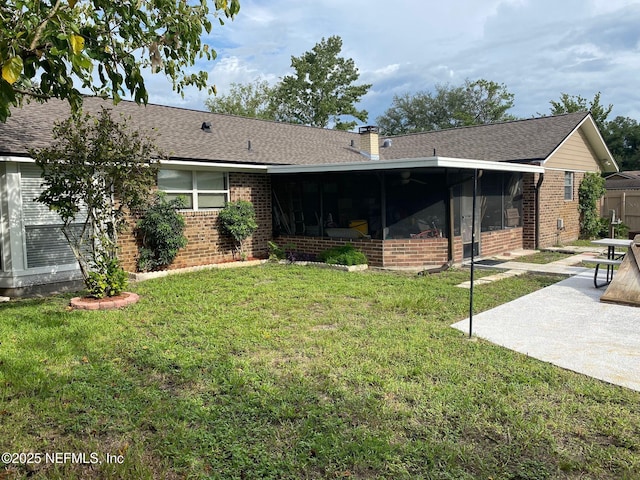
(529, 210)
(314, 245)
(501, 241)
(553, 206)
(205, 243)
(410, 252)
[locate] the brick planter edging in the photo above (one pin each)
(139, 277)
(109, 303)
(344, 268)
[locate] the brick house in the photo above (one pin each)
(404, 200)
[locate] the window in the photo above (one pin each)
(200, 189)
(45, 244)
(568, 185)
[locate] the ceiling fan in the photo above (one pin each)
(405, 178)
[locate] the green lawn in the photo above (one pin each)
(543, 257)
(296, 372)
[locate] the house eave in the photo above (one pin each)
(407, 163)
(185, 164)
(226, 166)
(16, 159)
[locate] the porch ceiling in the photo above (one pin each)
(407, 163)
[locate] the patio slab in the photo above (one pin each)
(566, 324)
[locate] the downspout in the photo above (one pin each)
(450, 221)
(537, 213)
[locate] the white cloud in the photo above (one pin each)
(538, 48)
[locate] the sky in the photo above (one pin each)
(538, 49)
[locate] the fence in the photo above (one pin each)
(626, 203)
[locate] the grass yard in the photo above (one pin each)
(291, 372)
(542, 257)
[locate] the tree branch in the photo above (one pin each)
(41, 27)
(30, 93)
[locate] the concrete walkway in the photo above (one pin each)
(566, 324)
(510, 268)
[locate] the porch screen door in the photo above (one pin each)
(466, 216)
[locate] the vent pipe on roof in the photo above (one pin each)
(248, 144)
(206, 127)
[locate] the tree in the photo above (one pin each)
(48, 49)
(96, 171)
(576, 103)
(474, 103)
(247, 100)
(322, 88)
(238, 219)
(485, 102)
(622, 135)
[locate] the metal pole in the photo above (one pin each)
(473, 245)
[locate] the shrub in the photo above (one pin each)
(238, 219)
(343, 255)
(589, 193)
(288, 252)
(161, 229)
(106, 279)
(621, 230)
(276, 252)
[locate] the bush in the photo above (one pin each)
(162, 232)
(343, 255)
(238, 219)
(621, 230)
(288, 252)
(276, 252)
(107, 279)
(589, 193)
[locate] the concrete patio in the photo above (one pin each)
(565, 324)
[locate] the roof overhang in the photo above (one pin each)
(407, 163)
(226, 166)
(177, 164)
(17, 159)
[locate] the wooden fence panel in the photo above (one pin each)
(627, 207)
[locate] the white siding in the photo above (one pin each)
(45, 243)
(575, 155)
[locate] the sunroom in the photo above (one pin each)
(402, 213)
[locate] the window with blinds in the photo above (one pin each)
(45, 244)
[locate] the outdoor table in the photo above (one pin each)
(611, 261)
(611, 244)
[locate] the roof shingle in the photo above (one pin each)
(178, 133)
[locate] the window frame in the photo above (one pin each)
(194, 192)
(568, 187)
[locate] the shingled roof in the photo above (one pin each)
(518, 141)
(178, 132)
(629, 180)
